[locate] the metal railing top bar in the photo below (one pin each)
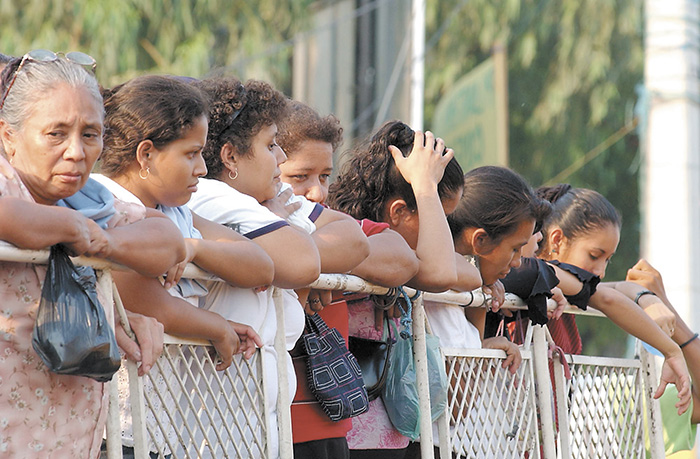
(480, 352)
(607, 362)
(475, 298)
(345, 282)
(9, 252)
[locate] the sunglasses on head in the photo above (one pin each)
(44, 55)
(232, 117)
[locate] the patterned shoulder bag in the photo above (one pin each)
(333, 373)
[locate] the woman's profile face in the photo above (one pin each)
(591, 251)
(175, 168)
(497, 263)
(259, 171)
(308, 169)
(58, 143)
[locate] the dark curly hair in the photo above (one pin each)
(370, 178)
(237, 112)
(304, 123)
(498, 200)
(577, 211)
(153, 107)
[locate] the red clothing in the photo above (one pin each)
(371, 228)
(565, 334)
(309, 422)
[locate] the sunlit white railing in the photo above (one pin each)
(602, 407)
(490, 413)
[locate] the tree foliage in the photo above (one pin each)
(573, 67)
(182, 37)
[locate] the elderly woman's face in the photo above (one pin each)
(58, 143)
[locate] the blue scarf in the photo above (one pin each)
(94, 201)
(182, 217)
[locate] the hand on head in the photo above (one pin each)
(427, 161)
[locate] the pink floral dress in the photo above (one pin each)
(372, 429)
(42, 414)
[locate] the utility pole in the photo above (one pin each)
(417, 64)
(671, 178)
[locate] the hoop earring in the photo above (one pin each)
(148, 171)
(234, 177)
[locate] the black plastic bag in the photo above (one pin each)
(71, 334)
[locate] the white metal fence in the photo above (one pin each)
(601, 407)
(184, 408)
(216, 415)
(490, 413)
(486, 400)
(198, 412)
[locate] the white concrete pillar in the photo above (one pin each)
(671, 179)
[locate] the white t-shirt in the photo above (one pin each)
(218, 202)
(448, 322)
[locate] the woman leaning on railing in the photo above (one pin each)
(51, 125)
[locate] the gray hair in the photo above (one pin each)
(35, 79)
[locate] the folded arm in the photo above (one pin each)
(230, 256)
(391, 262)
(150, 246)
(294, 255)
(340, 241)
(36, 226)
